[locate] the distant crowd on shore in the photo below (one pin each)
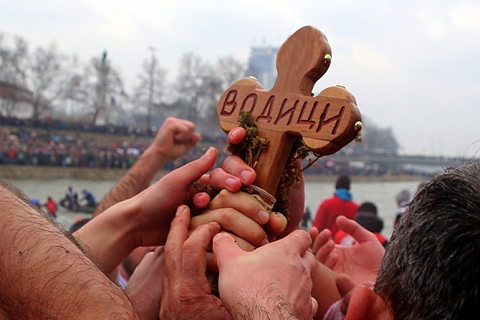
(41, 143)
(24, 145)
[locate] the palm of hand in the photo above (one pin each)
(357, 261)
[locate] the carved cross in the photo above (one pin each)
(326, 122)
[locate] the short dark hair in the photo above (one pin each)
(431, 269)
(368, 207)
(367, 217)
(343, 182)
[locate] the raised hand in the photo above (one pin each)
(174, 138)
(361, 262)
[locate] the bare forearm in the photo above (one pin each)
(324, 288)
(44, 275)
(108, 239)
(137, 179)
(265, 307)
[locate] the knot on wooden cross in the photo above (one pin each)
(325, 122)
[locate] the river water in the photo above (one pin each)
(382, 193)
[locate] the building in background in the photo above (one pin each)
(261, 65)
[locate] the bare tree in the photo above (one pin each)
(228, 70)
(196, 85)
(224, 73)
(47, 78)
(200, 85)
(40, 77)
(149, 94)
(12, 58)
(99, 88)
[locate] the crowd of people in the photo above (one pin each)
(177, 253)
(51, 142)
(26, 146)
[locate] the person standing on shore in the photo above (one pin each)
(51, 207)
(341, 204)
(402, 199)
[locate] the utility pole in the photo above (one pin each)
(151, 87)
(102, 72)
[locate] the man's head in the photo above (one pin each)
(403, 197)
(343, 182)
(431, 269)
(367, 217)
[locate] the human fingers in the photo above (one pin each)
(236, 135)
(173, 247)
(237, 167)
(314, 303)
(190, 172)
(178, 233)
(276, 225)
(226, 249)
(175, 137)
(309, 261)
(212, 260)
(326, 254)
(313, 232)
(298, 241)
(182, 129)
(243, 202)
(194, 251)
(201, 200)
(220, 179)
(145, 286)
(321, 238)
(354, 229)
(235, 222)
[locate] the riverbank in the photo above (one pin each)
(45, 172)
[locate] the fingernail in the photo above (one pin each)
(263, 216)
(231, 183)
(180, 210)
(246, 175)
(264, 242)
(233, 132)
(209, 151)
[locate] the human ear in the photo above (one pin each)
(364, 303)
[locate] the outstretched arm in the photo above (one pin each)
(45, 276)
(173, 139)
(143, 220)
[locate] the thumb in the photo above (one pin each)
(225, 248)
(354, 229)
(193, 170)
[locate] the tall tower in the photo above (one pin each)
(261, 65)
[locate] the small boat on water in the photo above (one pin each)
(77, 207)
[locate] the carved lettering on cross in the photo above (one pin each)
(325, 122)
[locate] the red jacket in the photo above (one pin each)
(51, 206)
(347, 240)
(330, 209)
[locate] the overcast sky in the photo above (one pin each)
(412, 65)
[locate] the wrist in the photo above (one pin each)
(110, 237)
(262, 306)
(157, 153)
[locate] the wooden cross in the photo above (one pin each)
(326, 122)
